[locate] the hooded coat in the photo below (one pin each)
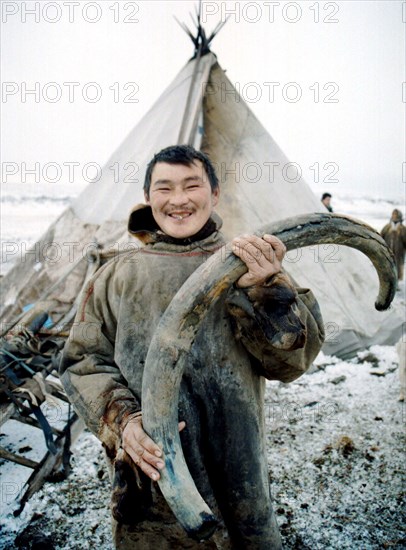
(394, 234)
(222, 390)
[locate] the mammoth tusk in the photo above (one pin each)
(313, 229)
(178, 326)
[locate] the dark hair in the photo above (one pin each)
(181, 154)
(397, 215)
(325, 196)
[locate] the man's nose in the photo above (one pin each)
(179, 197)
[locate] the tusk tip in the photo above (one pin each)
(206, 528)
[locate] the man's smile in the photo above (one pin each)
(180, 215)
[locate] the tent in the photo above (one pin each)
(258, 185)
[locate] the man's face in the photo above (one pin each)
(326, 201)
(396, 217)
(181, 198)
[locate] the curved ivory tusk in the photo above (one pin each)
(178, 326)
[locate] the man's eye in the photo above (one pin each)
(195, 186)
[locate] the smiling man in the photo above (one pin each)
(181, 197)
(221, 405)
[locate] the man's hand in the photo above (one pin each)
(263, 257)
(145, 453)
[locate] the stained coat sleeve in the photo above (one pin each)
(92, 380)
(262, 315)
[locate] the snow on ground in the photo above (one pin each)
(338, 435)
(70, 514)
(15, 435)
(336, 462)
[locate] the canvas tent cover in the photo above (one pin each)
(255, 190)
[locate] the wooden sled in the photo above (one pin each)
(23, 396)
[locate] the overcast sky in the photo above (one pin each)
(337, 70)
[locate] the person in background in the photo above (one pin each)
(394, 234)
(326, 200)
